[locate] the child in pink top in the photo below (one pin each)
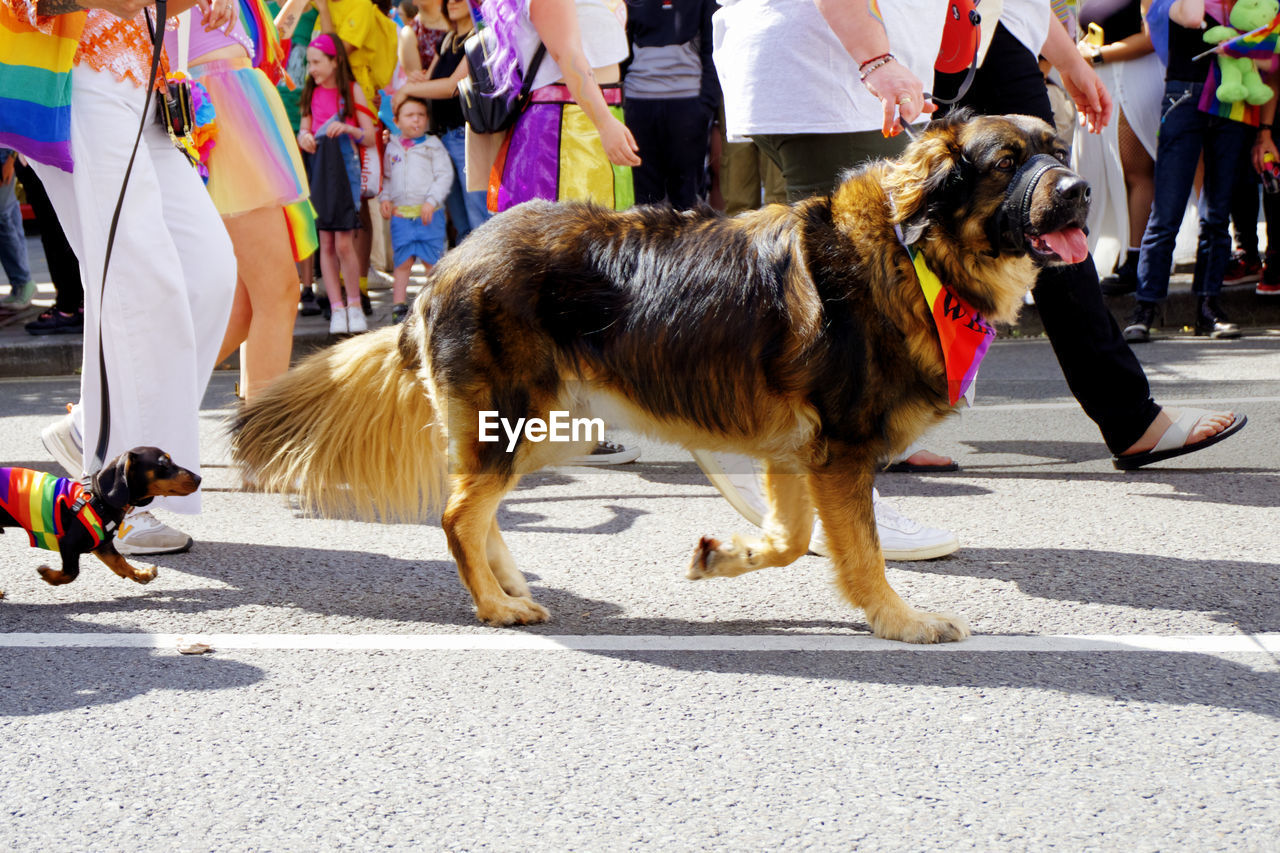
(335, 111)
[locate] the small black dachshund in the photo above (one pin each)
(61, 515)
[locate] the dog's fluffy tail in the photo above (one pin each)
(351, 430)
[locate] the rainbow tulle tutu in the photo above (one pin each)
(255, 162)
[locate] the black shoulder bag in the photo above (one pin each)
(482, 109)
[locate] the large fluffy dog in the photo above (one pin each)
(796, 334)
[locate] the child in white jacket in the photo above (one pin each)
(417, 176)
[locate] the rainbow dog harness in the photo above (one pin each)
(35, 499)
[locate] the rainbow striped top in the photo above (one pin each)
(34, 499)
(35, 85)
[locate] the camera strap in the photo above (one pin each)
(104, 429)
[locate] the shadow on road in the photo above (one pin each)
(46, 681)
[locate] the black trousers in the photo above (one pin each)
(58, 254)
(1100, 368)
(674, 135)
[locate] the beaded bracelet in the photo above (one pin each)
(872, 64)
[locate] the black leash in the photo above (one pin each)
(104, 429)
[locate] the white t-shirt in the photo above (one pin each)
(783, 70)
(602, 24)
(1027, 21)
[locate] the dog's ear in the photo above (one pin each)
(112, 484)
(920, 175)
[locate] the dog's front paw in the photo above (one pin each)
(54, 577)
(917, 626)
(511, 611)
(715, 559)
(146, 574)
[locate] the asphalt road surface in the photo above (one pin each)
(1121, 691)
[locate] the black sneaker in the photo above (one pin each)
(398, 312)
(308, 306)
(607, 453)
(323, 302)
(1212, 322)
(54, 322)
(1138, 330)
(1123, 280)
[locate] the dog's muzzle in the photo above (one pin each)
(1061, 233)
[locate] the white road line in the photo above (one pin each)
(1187, 644)
(1221, 403)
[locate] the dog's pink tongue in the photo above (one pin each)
(1069, 244)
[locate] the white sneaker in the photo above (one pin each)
(338, 320)
(355, 319)
(607, 453)
(142, 533)
(65, 444)
(901, 538)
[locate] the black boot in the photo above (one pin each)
(1124, 279)
(1212, 322)
(1138, 330)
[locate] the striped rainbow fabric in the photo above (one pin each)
(35, 86)
(1261, 43)
(1240, 111)
(268, 54)
(33, 499)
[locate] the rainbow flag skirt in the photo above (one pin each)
(553, 152)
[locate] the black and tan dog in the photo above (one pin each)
(796, 334)
(61, 515)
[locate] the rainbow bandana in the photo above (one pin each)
(34, 499)
(962, 331)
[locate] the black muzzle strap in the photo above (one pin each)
(1014, 218)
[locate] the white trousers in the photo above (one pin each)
(171, 280)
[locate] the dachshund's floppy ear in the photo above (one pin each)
(918, 177)
(112, 484)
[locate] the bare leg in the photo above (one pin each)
(268, 285)
(345, 248)
(1139, 180)
(329, 267)
(400, 282)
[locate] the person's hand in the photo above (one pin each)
(218, 14)
(619, 145)
(901, 94)
(337, 128)
(386, 209)
(1263, 146)
(427, 212)
(416, 77)
(307, 141)
(1088, 51)
(1089, 94)
(6, 171)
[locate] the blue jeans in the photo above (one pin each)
(1184, 133)
(13, 242)
(467, 210)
